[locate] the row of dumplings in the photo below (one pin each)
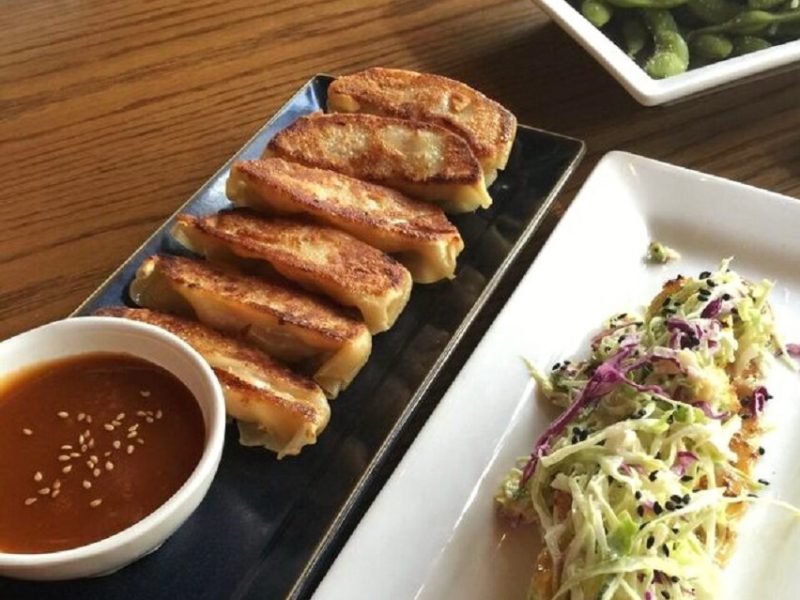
(329, 230)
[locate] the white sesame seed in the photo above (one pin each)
(120, 416)
(81, 438)
(63, 414)
(159, 414)
(27, 431)
(144, 393)
(81, 416)
(108, 427)
(87, 484)
(116, 423)
(67, 469)
(141, 413)
(84, 448)
(96, 502)
(66, 447)
(117, 444)
(150, 420)
(56, 484)
(75, 454)
(38, 476)
(96, 472)
(129, 449)
(140, 441)
(87, 434)
(94, 458)
(133, 427)
(109, 465)
(64, 457)
(88, 418)
(44, 491)
(132, 434)
(29, 501)
(90, 464)
(91, 443)
(55, 493)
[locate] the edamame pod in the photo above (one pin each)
(714, 11)
(597, 12)
(751, 21)
(646, 3)
(712, 46)
(745, 44)
(635, 35)
(764, 4)
(671, 55)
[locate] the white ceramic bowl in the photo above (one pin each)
(649, 91)
(107, 334)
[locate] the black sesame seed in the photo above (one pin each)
(665, 593)
(676, 499)
(669, 505)
(761, 450)
(705, 275)
(650, 541)
(666, 301)
(653, 475)
(676, 531)
(657, 508)
(643, 525)
(674, 579)
(638, 495)
(763, 482)
(686, 498)
(753, 495)
(640, 510)
(665, 549)
(687, 478)
(726, 296)
(711, 283)
(556, 366)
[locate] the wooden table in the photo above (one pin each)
(112, 114)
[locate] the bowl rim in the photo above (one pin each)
(206, 467)
(649, 91)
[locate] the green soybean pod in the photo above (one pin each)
(764, 4)
(647, 3)
(597, 12)
(711, 46)
(714, 11)
(671, 55)
(635, 35)
(745, 44)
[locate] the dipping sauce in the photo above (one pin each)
(90, 445)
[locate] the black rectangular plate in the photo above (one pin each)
(268, 528)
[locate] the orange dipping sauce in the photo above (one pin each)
(90, 445)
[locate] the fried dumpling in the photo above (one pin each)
(300, 328)
(274, 407)
(417, 233)
(486, 125)
(317, 257)
(423, 160)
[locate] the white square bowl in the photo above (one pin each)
(649, 91)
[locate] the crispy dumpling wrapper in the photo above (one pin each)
(416, 233)
(316, 257)
(274, 407)
(328, 342)
(423, 160)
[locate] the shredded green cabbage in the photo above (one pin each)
(634, 493)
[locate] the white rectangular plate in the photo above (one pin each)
(649, 91)
(432, 532)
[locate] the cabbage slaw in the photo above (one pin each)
(637, 486)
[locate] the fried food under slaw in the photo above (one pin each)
(639, 484)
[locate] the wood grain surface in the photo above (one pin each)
(113, 113)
